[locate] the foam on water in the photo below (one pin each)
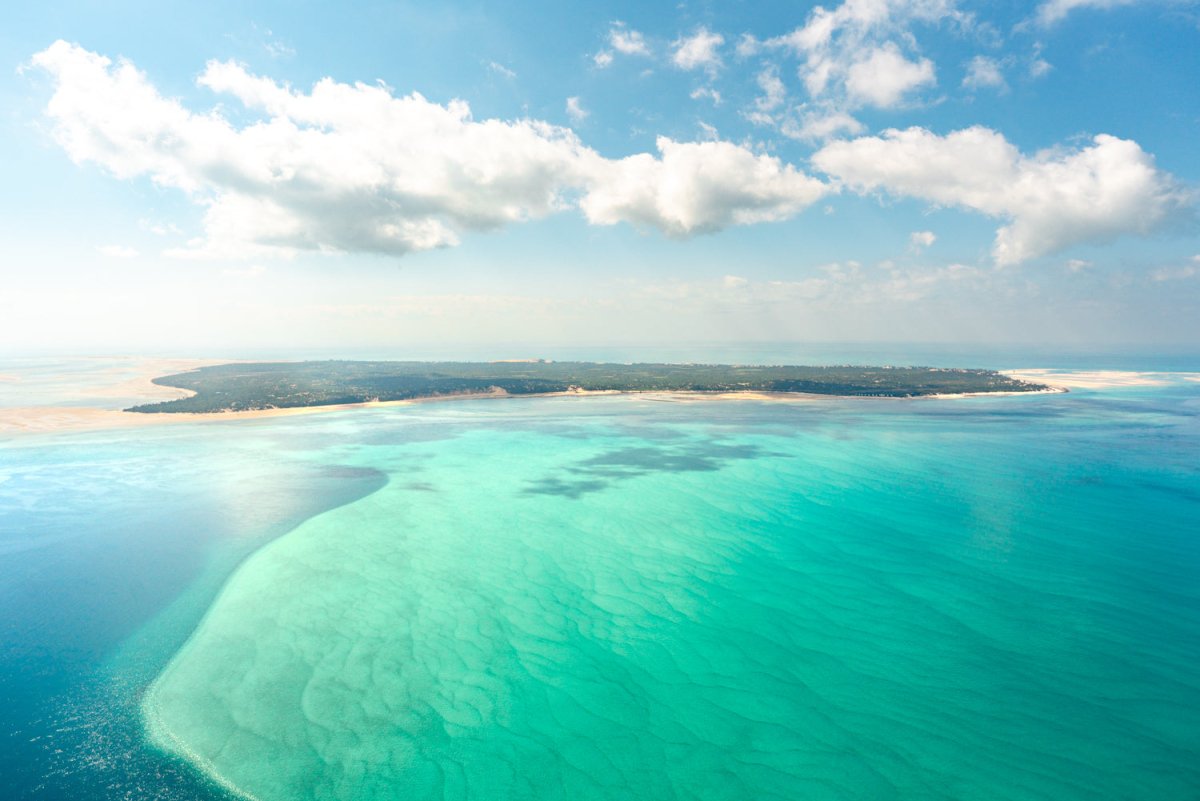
(842, 599)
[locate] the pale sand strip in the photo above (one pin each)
(1092, 379)
(142, 387)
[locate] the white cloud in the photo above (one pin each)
(774, 93)
(815, 126)
(1053, 11)
(1039, 67)
(919, 240)
(747, 46)
(698, 50)
(695, 187)
(773, 90)
(575, 111)
(706, 93)
(626, 41)
(1078, 265)
(886, 77)
(501, 70)
(854, 54)
(984, 72)
(1177, 273)
(354, 168)
(621, 40)
(118, 251)
(861, 53)
(1051, 200)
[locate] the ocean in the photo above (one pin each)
(611, 598)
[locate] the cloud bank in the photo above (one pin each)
(354, 168)
(1051, 200)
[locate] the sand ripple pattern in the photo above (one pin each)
(782, 609)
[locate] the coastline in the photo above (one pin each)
(29, 420)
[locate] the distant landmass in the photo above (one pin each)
(279, 385)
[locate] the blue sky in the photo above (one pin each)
(256, 176)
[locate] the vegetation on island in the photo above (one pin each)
(244, 387)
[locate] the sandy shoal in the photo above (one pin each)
(1091, 379)
(142, 386)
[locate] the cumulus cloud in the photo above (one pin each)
(621, 40)
(853, 55)
(629, 42)
(773, 90)
(575, 111)
(698, 50)
(355, 168)
(863, 53)
(984, 72)
(885, 77)
(766, 107)
(696, 187)
(1050, 200)
(1053, 11)
(919, 240)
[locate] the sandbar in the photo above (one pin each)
(1093, 379)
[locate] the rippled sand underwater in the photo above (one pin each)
(621, 599)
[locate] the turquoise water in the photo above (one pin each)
(588, 598)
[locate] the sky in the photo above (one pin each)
(244, 178)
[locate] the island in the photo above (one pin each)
(283, 385)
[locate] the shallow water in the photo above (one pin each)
(607, 597)
(622, 598)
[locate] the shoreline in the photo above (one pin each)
(30, 420)
(18, 421)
